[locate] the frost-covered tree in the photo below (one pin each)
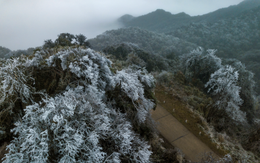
(247, 84)
(65, 39)
(48, 44)
(132, 84)
(200, 65)
(75, 127)
(14, 81)
(82, 122)
(223, 85)
(82, 40)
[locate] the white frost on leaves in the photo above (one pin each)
(50, 61)
(223, 84)
(198, 62)
(14, 81)
(132, 86)
(74, 128)
(85, 63)
(73, 125)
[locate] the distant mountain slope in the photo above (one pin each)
(125, 18)
(233, 30)
(149, 41)
(158, 21)
(229, 12)
(231, 36)
(236, 37)
(163, 22)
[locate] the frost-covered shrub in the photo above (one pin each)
(81, 123)
(16, 89)
(14, 81)
(247, 84)
(86, 64)
(199, 64)
(75, 126)
(223, 85)
(66, 39)
(208, 68)
(133, 88)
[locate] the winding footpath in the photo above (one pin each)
(179, 136)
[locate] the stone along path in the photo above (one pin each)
(178, 135)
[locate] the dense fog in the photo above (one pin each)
(27, 23)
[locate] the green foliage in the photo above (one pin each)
(48, 44)
(67, 39)
(64, 39)
(81, 40)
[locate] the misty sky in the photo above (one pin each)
(27, 23)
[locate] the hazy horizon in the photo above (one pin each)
(27, 23)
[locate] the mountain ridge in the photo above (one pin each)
(163, 21)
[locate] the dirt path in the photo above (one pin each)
(180, 137)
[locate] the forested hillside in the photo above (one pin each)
(232, 37)
(151, 42)
(7, 53)
(233, 31)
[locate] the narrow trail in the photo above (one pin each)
(178, 135)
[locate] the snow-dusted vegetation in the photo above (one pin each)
(79, 121)
(151, 42)
(223, 83)
(226, 83)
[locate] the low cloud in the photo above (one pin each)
(27, 23)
